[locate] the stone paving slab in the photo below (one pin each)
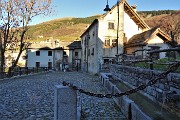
(32, 97)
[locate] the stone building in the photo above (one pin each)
(59, 56)
(153, 39)
(119, 25)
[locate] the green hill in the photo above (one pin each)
(147, 14)
(68, 29)
(63, 28)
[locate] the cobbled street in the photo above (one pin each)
(32, 97)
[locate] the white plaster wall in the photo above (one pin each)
(126, 25)
(92, 59)
(93, 43)
(43, 58)
(58, 55)
(130, 27)
(97, 42)
(105, 33)
(156, 41)
(69, 54)
(79, 54)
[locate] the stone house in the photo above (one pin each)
(66, 54)
(107, 36)
(75, 50)
(152, 39)
(40, 57)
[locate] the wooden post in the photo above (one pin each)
(151, 61)
(10, 72)
(37, 69)
(27, 70)
(20, 71)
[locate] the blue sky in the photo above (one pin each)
(85, 8)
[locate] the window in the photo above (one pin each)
(84, 52)
(49, 53)
(37, 53)
(64, 53)
(37, 64)
(93, 33)
(86, 42)
(50, 65)
(76, 53)
(92, 52)
(88, 52)
(114, 42)
(110, 25)
(88, 37)
(107, 42)
(106, 61)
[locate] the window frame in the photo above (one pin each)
(92, 52)
(49, 53)
(38, 53)
(111, 25)
(76, 53)
(37, 64)
(107, 42)
(89, 51)
(114, 42)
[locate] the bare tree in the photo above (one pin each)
(171, 25)
(15, 18)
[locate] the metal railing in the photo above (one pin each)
(19, 71)
(151, 82)
(149, 61)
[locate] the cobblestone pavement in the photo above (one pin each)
(32, 97)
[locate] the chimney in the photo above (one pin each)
(134, 7)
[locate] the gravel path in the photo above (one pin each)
(32, 97)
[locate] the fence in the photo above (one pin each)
(127, 106)
(166, 91)
(19, 71)
(150, 60)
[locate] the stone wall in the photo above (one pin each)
(165, 90)
(129, 109)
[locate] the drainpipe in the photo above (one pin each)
(117, 40)
(88, 37)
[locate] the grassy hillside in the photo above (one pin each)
(147, 14)
(68, 29)
(63, 29)
(167, 22)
